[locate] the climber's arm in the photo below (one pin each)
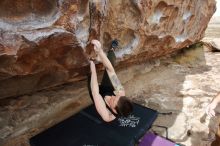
(98, 100)
(119, 89)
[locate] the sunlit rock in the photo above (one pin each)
(44, 43)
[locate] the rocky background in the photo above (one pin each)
(44, 43)
(183, 83)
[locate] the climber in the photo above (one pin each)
(211, 108)
(109, 97)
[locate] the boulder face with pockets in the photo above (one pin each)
(44, 43)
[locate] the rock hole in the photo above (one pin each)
(128, 41)
(14, 10)
(27, 14)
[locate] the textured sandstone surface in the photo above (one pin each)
(43, 42)
(182, 84)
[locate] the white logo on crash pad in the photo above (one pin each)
(130, 121)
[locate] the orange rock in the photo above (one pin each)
(43, 43)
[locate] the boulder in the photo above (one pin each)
(44, 43)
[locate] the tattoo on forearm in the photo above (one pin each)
(116, 83)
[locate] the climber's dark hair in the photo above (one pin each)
(124, 106)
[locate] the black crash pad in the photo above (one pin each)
(87, 128)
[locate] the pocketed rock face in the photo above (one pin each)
(43, 43)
